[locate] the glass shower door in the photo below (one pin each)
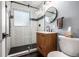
(21, 36)
(22, 30)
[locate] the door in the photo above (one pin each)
(5, 31)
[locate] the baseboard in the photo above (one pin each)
(22, 53)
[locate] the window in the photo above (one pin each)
(21, 18)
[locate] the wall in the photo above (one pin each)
(41, 27)
(70, 11)
(34, 30)
(23, 35)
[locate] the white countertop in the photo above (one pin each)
(45, 32)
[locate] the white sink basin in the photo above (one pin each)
(46, 32)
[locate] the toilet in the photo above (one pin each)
(57, 54)
(68, 46)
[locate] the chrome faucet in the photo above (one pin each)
(48, 28)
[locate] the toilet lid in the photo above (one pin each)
(57, 54)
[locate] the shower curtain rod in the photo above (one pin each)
(29, 5)
(23, 4)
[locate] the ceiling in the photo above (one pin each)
(36, 4)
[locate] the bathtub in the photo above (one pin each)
(69, 46)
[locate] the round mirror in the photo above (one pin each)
(51, 14)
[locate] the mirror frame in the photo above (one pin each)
(55, 16)
(44, 17)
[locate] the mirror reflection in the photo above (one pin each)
(51, 14)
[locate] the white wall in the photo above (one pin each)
(25, 34)
(70, 11)
(41, 22)
(34, 30)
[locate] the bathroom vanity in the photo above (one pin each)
(46, 42)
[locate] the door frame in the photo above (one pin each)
(3, 29)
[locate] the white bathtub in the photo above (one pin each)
(69, 46)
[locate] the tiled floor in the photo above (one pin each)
(21, 48)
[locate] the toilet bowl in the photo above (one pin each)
(68, 46)
(57, 54)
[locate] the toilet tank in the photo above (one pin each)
(69, 46)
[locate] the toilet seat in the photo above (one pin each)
(57, 54)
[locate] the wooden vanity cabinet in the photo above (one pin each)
(46, 42)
